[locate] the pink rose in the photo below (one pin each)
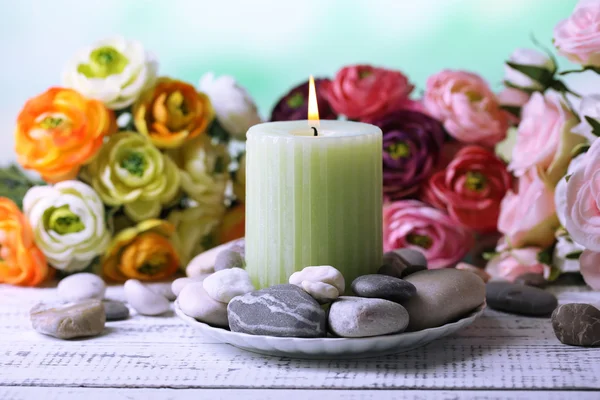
(511, 264)
(365, 92)
(578, 37)
(590, 268)
(413, 224)
(583, 201)
(544, 138)
(528, 218)
(467, 107)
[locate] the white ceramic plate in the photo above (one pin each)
(331, 348)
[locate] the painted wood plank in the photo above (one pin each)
(500, 351)
(54, 393)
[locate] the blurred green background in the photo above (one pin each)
(268, 45)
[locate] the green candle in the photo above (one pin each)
(313, 200)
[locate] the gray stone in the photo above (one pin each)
(383, 287)
(69, 320)
(402, 262)
(577, 324)
(162, 288)
(443, 295)
(363, 317)
(536, 280)
(229, 259)
(115, 310)
(81, 286)
(519, 299)
(281, 310)
(195, 302)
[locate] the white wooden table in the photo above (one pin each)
(499, 356)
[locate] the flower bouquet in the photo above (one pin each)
(136, 173)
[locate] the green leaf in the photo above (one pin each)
(489, 255)
(586, 68)
(545, 256)
(514, 110)
(539, 74)
(580, 149)
(216, 131)
(14, 184)
(595, 124)
(554, 273)
(574, 255)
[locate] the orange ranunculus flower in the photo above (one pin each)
(171, 112)
(143, 252)
(59, 131)
(21, 262)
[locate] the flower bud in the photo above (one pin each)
(529, 69)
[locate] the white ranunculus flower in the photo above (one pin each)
(235, 109)
(566, 254)
(590, 108)
(528, 57)
(114, 71)
(560, 192)
(68, 223)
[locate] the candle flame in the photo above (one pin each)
(313, 108)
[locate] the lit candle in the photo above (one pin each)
(313, 197)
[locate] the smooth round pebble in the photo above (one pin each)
(321, 273)
(280, 310)
(536, 280)
(204, 263)
(443, 295)
(196, 303)
(115, 310)
(81, 286)
(163, 288)
(577, 324)
(144, 300)
(229, 259)
(480, 272)
(363, 317)
(520, 299)
(322, 292)
(225, 284)
(383, 287)
(402, 262)
(69, 320)
(180, 283)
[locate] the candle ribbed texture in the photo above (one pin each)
(313, 201)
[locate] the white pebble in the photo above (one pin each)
(204, 263)
(322, 273)
(162, 288)
(180, 283)
(224, 285)
(322, 292)
(196, 303)
(144, 300)
(81, 286)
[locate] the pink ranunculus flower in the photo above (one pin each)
(583, 201)
(365, 92)
(544, 138)
(578, 37)
(528, 217)
(590, 268)
(416, 225)
(509, 265)
(467, 107)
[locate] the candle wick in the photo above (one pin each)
(315, 130)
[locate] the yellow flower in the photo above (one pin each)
(130, 171)
(195, 230)
(143, 252)
(172, 112)
(204, 168)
